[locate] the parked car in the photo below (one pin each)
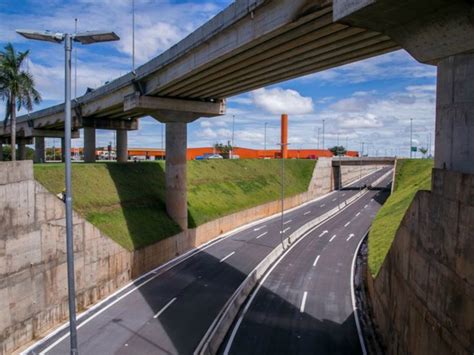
(214, 156)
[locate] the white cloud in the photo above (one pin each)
(279, 101)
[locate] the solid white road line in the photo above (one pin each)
(358, 214)
(332, 238)
(316, 260)
(350, 236)
(354, 305)
(303, 301)
(261, 235)
(306, 213)
(258, 228)
(289, 221)
(345, 225)
(334, 199)
(225, 257)
(323, 233)
(164, 308)
(366, 206)
(286, 229)
(322, 205)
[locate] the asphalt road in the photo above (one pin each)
(169, 312)
(304, 304)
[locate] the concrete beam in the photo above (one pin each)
(40, 156)
(48, 133)
(429, 30)
(105, 123)
(175, 172)
(122, 146)
(165, 109)
(89, 145)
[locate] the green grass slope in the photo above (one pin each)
(411, 175)
(126, 201)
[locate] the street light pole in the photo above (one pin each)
(265, 138)
(67, 157)
(84, 38)
(233, 130)
(411, 137)
(324, 123)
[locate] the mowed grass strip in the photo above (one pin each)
(126, 201)
(411, 175)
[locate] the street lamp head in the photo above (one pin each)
(42, 35)
(95, 36)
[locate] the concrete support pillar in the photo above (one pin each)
(63, 150)
(21, 150)
(454, 142)
(176, 190)
(39, 150)
(122, 146)
(89, 145)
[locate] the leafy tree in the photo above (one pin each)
(223, 149)
(338, 150)
(17, 88)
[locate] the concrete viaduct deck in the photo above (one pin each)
(336, 162)
(254, 43)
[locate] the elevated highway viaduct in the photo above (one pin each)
(254, 43)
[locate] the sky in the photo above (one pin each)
(371, 101)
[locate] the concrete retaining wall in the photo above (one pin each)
(351, 173)
(423, 296)
(33, 288)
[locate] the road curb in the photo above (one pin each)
(216, 333)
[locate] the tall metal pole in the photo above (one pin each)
(319, 131)
(133, 36)
(68, 199)
(162, 143)
(282, 196)
(265, 138)
(411, 137)
(233, 129)
(324, 123)
(75, 62)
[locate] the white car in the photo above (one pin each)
(214, 156)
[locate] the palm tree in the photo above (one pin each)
(17, 88)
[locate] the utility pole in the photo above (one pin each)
(411, 137)
(265, 138)
(324, 123)
(319, 130)
(162, 143)
(233, 129)
(75, 62)
(133, 37)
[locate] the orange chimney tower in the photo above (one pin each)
(284, 136)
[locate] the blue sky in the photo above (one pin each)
(370, 101)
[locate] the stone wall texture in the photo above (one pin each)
(423, 296)
(33, 287)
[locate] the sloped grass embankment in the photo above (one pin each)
(411, 175)
(126, 201)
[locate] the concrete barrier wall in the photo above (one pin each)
(351, 173)
(33, 288)
(423, 296)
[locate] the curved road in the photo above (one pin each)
(304, 304)
(170, 310)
